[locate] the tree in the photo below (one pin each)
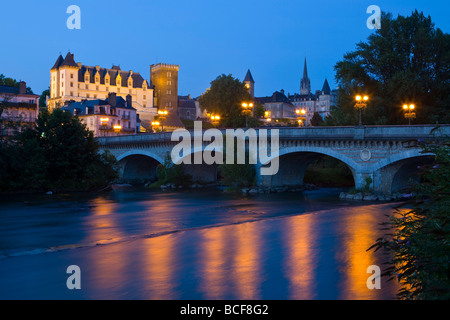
(57, 153)
(406, 61)
(316, 119)
(42, 99)
(225, 97)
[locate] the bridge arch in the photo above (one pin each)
(293, 162)
(394, 174)
(138, 166)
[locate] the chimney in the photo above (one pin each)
(112, 99)
(22, 87)
(129, 99)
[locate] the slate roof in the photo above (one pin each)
(58, 62)
(14, 90)
(69, 60)
(276, 97)
(90, 104)
(326, 87)
(248, 77)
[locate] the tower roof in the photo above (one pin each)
(326, 87)
(248, 77)
(58, 62)
(305, 71)
(69, 61)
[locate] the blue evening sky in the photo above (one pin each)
(206, 38)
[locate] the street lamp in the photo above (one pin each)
(155, 124)
(215, 119)
(361, 103)
(117, 128)
(247, 111)
(162, 115)
(409, 114)
(301, 116)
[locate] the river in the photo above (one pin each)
(191, 244)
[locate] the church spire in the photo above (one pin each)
(305, 83)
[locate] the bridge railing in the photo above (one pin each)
(310, 133)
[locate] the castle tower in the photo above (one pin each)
(164, 78)
(250, 83)
(305, 83)
(63, 81)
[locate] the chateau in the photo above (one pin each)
(71, 81)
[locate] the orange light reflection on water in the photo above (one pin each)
(300, 260)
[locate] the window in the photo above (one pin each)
(31, 101)
(169, 83)
(62, 75)
(145, 88)
(96, 88)
(129, 91)
(169, 74)
(86, 86)
(71, 76)
(118, 90)
(95, 96)
(86, 78)
(145, 105)
(71, 84)
(107, 88)
(107, 80)
(145, 97)
(71, 93)
(97, 79)
(88, 95)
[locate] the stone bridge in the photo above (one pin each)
(387, 154)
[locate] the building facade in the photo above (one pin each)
(18, 106)
(113, 116)
(72, 81)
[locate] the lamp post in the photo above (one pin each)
(247, 106)
(162, 115)
(361, 103)
(301, 116)
(409, 114)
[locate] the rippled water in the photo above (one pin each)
(137, 244)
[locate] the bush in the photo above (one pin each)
(420, 244)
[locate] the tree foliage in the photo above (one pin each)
(225, 97)
(406, 61)
(58, 153)
(420, 244)
(316, 119)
